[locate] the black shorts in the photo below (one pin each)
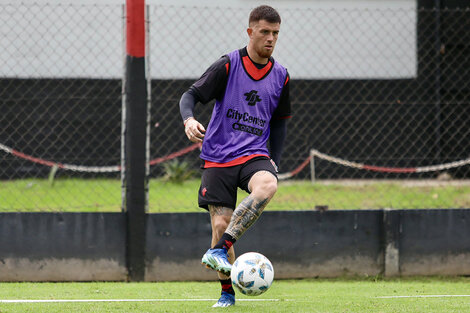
(219, 184)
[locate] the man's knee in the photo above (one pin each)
(263, 185)
(267, 190)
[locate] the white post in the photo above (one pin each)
(312, 166)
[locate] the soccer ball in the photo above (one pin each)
(252, 273)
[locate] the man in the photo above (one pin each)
(252, 104)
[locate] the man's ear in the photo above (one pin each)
(249, 31)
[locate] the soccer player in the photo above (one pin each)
(251, 90)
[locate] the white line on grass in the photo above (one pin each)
(423, 296)
(123, 300)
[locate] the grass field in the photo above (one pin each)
(317, 295)
(104, 195)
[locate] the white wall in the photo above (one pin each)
(319, 39)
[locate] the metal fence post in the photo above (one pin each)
(136, 107)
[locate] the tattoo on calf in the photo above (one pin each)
(245, 215)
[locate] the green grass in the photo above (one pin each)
(104, 195)
(320, 295)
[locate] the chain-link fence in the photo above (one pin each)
(60, 104)
(382, 95)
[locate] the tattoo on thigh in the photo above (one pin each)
(219, 210)
(245, 215)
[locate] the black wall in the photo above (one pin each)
(91, 246)
(299, 244)
(62, 246)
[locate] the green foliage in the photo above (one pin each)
(177, 172)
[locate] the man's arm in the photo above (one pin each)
(279, 124)
(187, 103)
(193, 129)
(210, 85)
(276, 139)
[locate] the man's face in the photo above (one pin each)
(263, 37)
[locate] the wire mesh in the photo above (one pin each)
(60, 99)
(383, 87)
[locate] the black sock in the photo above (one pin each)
(227, 286)
(225, 242)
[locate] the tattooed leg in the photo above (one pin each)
(220, 218)
(263, 186)
(246, 213)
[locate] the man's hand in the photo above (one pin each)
(194, 130)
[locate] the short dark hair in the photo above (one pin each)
(264, 12)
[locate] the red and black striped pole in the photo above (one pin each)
(135, 138)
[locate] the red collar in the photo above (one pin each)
(251, 69)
